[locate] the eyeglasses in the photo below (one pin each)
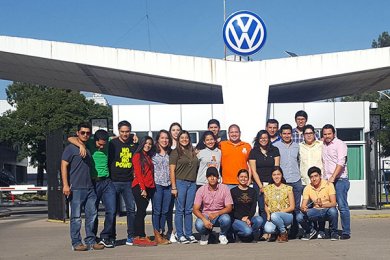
(85, 133)
(309, 133)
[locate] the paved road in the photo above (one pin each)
(28, 235)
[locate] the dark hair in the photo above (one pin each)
(188, 147)
(174, 124)
(201, 145)
(234, 125)
(124, 123)
(143, 156)
(157, 146)
(241, 171)
(312, 170)
(277, 168)
(309, 127)
(213, 121)
(272, 121)
(301, 113)
(256, 143)
(101, 135)
(285, 127)
(84, 125)
(327, 126)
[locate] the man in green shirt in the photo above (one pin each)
(105, 189)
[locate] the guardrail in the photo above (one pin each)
(19, 190)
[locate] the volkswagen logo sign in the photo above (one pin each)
(244, 33)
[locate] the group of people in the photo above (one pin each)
(213, 181)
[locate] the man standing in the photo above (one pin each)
(235, 155)
(334, 157)
(212, 205)
(214, 126)
(289, 154)
(120, 153)
(105, 190)
(272, 128)
(297, 133)
(80, 192)
(310, 153)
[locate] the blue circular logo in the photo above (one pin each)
(244, 33)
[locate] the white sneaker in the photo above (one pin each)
(321, 235)
(173, 238)
(223, 240)
(183, 240)
(204, 240)
(192, 239)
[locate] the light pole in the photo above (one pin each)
(224, 20)
(384, 94)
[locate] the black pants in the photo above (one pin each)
(142, 203)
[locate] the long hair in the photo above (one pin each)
(181, 149)
(158, 147)
(172, 125)
(144, 156)
(201, 145)
(256, 143)
(277, 168)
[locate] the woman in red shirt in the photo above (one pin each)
(143, 189)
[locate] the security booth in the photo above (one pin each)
(377, 169)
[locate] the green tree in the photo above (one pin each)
(40, 110)
(381, 97)
(383, 41)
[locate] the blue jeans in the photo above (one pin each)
(82, 198)
(260, 202)
(161, 201)
(320, 215)
(184, 203)
(124, 189)
(297, 190)
(279, 222)
(223, 221)
(231, 186)
(242, 229)
(342, 188)
(105, 191)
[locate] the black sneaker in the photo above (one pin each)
(334, 237)
(345, 237)
(309, 236)
(109, 243)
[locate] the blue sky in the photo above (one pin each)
(195, 27)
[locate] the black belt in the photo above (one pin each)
(100, 178)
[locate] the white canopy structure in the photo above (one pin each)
(245, 88)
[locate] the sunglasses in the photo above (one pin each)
(85, 133)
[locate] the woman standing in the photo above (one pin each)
(210, 156)
(143, 189)
(162, 198)
(245, 224)
(174, 131)
(183, 165)
(279, 205)
(262, 159)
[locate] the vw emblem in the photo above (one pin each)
(244, 33)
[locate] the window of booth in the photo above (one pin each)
(355, 162)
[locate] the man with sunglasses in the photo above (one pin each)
(79, 189)
(97, 146)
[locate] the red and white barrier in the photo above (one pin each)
(21, 189)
